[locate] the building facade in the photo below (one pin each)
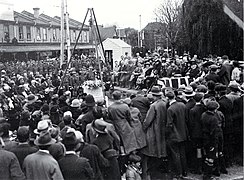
(37, 36)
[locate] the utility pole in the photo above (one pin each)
(62, 35)
(67, 32)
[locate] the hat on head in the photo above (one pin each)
(220, 88)
(44, 139)
(67, 113)
(89, 100)
(54, 109)
(31, 98)
(23, 133)
(75, 103)
(198, 96)
(188, 92)
(42, 126)
(202, 88)
(45, 108)
(212, 105)
(134, 158)
(234, 86)
(55, 132)
(156, 91)
(99, 126)
(79, 136)
(70, 138)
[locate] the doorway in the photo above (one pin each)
(109, 57)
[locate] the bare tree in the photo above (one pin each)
(169, 13)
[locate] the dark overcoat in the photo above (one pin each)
(176, 122)
(154, 127)
(119, 114)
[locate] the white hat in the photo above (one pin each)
(68, 113)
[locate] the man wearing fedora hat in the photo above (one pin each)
(154, 127)
(72, 166)
(88, 116)
(75, 109)
(41, 165)
(109, 149)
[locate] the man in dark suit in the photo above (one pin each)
(23, 149)
(142, 103)
(72, 166)
(195, 131)
(176, 134)
(226, 107)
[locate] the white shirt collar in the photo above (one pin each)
(44, 151)
(70, 152)
(171, 102)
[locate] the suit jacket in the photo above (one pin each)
(23, 150)
(226, 107)
(41, 165)
(176, 122)
(74, 167)
(10, 168)
(195, 127)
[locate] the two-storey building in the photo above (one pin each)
(37, 36)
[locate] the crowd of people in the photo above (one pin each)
(51, 129)
(144, 72)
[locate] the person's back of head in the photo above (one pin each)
(211, 85)
(23, 134)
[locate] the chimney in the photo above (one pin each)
(36, 12)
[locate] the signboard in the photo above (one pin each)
(6, 10)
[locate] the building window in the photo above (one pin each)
(74, 35)
(6, 33)
(38, 34)
(21, 34)
(44, 34)
(54, 35)
(28, 32)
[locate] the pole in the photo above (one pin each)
(67, 33)
(140, 33)
(97, 56)
(62, 35)
(76, 42)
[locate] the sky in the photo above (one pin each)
(122, 13)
